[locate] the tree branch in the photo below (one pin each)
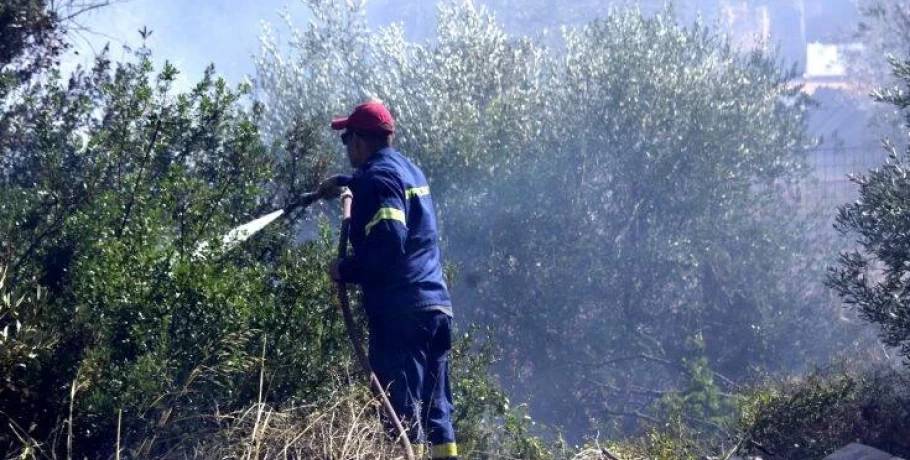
(132, 197)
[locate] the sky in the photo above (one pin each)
(190, 34)
(194, 33)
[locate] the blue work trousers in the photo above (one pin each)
(409, 354)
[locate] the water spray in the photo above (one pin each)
(243, 232)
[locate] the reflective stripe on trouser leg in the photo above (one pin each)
(448, 450)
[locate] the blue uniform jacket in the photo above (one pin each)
(396, 258)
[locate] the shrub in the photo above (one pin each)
(811, 417)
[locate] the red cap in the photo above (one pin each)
(372, 116)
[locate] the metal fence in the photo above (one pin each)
(830, 186)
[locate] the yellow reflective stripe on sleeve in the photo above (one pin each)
(420, 450)
(417, 191)
(385, 214)
(448, 449)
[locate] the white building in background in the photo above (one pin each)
(799, 28)
(823, 60)
(814, 36)
(826, 67)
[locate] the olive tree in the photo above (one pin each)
(651, 244)
(873, 277)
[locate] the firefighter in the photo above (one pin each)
(396, 261)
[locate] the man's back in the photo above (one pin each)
(393, 222)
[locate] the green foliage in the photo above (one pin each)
(812, 417)
(25, 340)
(874, 277)
(680, 152)
(22, 23)
(481, 403)
(485, 420)
(110, 183)
(805, 417)
(675, 441)
(30, 40)
(700, 403)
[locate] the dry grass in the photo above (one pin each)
(344, 427)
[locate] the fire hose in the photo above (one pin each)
(351, 326)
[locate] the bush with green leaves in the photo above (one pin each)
(108, 221)
(609, 199)
(813, 416)
(26, 341)
(30, 40)
(806, 417)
